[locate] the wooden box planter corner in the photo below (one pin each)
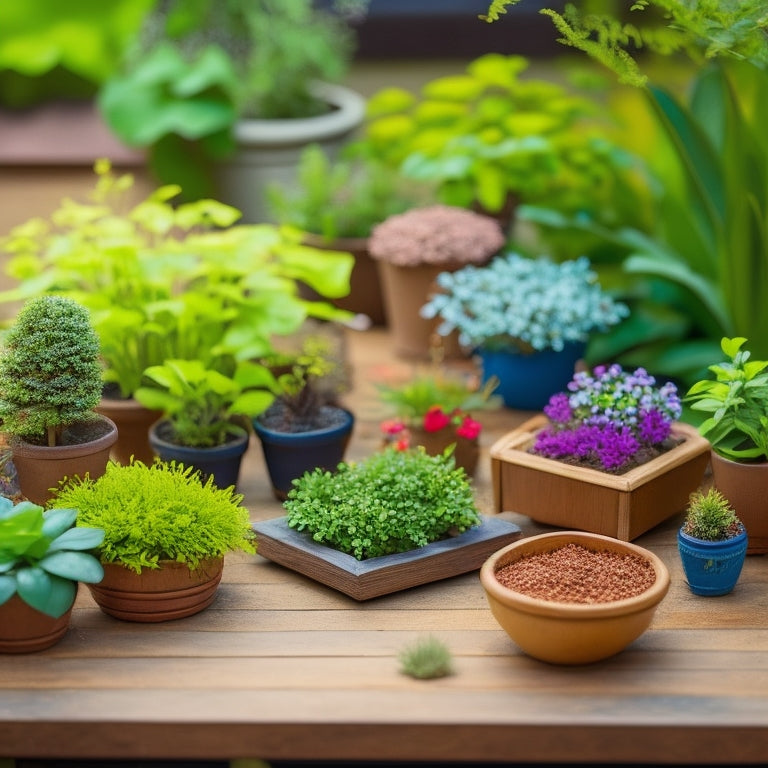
(622, 506)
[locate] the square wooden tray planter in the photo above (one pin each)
(623, 506)
(364, 579)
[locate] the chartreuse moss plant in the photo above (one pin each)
(392, 501)
(426, 659)
(158, 512)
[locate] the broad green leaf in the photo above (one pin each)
(78, 566)
(7, 588)
(78, 539)
(57, 521)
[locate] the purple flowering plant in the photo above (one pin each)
(609, 418)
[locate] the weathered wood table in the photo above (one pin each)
(283, 667)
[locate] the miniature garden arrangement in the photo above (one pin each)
(615, 436)
(362, 528)
(528, 319)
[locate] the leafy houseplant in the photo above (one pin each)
(532, 312)
(392, 501)
(490, 138)
(712, 543)
(165, 530)
(42, 558)
(50, 383)
(196, 72)
(736, 427)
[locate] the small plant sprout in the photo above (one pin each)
(426, 659)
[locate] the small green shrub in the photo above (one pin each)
(50, 376)
(158, 512)
(392, 501)
(711, 517)
(426, 659)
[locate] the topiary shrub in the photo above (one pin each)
(50, 375)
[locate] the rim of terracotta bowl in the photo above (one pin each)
(548, 541)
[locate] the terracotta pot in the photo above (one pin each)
(24, 629)
(41, 468)
(406, 291)
(365, 292)
(744, 484)
(623, 506)
(570, 632)
(169, 592)
(133, 421)
(466, 453)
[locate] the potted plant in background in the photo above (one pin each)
(391, 521)
(434, 411)
(305, 426)
(412, 249)
(226, 95)
(163, 281)
(572, 597)
(50, 383)
(166, 535)
(712, 543)
(206, 414)
(528, 320)
(613, 442)
(736, 427)
(336, 203)
(42, 559)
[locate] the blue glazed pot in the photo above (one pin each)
(527, 381)
(288, 455)
(712, 567)
(222, 462)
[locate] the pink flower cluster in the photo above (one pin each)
(435, 420)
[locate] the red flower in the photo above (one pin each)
(392, 426)
(435, 419)
(469, 428)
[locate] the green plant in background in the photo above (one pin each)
(488, 136)
(205, 407)
(53, 50)
(50, 377)
(711, 517)
(392, 501)
(196, 67)
(737, 400)
(165, 281)
(43, 556)
(339, 198)
(697, 271)
(159, 512)
(426, 659)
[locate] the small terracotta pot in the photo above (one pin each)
(566, 632)
(24, 629)
(41, 467)
(466, 453)
(133, 421)
(169, 592)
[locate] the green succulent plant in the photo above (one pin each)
(50, 375)
(43, 556)
(163, 511)
(711, 517)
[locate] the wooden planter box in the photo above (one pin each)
(623, 506)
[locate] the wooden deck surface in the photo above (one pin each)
(281, 667)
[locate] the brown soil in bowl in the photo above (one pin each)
(575, 574)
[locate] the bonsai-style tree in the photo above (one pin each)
(50, 375)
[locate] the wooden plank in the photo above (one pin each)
(366, 579)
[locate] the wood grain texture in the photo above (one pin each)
(282, 666)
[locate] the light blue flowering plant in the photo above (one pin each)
(610, 419)
(522, 304)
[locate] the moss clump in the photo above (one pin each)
(426, 659)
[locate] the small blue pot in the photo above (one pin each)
(288, 455)
(712, 567)
(527, 381)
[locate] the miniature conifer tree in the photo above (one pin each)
(711, 517)
(50, 375)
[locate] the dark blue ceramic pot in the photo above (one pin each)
(712, 567)
(527, 381)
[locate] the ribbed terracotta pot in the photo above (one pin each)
(41, 468)
(744, 484)
(25, 630)
(169, 592)
(133, 421)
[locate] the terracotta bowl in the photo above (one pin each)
(569, 632)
